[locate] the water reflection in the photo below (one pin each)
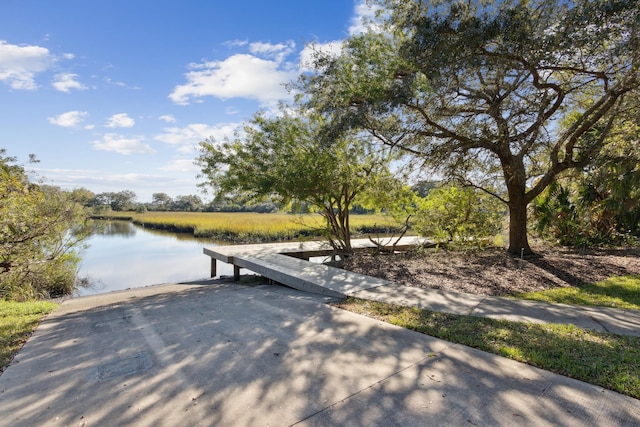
(180, 236)
(112, 228)
(122, 255)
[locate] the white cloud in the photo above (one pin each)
(190, 136)
(83, 177)
(235, 43)
(239, 76)
(167, 118)
(68, 119)
(181, 165)
(121, 144)
(364, 19)
(20, 64)
(100, 181)
(67, 81)
(110, 81)
(311, 50)
(275, 51)
(121, 120)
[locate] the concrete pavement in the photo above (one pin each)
(270, 261)
(222, 354)
(600, 319)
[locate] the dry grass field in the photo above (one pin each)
(250, 226)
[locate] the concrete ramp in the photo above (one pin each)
(309, 277)
(287, 263)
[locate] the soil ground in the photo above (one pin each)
(494, 271)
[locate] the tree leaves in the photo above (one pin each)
(36, 239)
(477, 90)
(283, 158)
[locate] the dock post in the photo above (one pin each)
(236, 273)
(214, 270)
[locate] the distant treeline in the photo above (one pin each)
(104, 204)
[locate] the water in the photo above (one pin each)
(122, 255)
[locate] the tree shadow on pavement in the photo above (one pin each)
(266, 355)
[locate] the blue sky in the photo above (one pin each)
(115, 95)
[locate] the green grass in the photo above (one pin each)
(249, 226)
(618, 292)
(607, 360)
(18, 320)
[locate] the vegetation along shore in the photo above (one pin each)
(250, 227)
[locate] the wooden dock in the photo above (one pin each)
(288, 264)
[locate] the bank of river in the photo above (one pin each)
(123, 255)
(250, 227)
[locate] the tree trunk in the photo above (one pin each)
(518, 240)
(516, 180)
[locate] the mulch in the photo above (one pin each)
(494, 271)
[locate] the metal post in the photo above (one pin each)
(214, 270)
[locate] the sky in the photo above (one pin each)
(114, 95)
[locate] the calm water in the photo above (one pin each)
(123, 255)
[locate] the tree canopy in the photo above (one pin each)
(283, 159)
(512, 92)
(118, 201)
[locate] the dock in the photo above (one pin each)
(288, 264)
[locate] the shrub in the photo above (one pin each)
(38, 234)
(463, 216)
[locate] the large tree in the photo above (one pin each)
(283, 159)
(121, 201)
(477, 90)
(161, 202)
(190, 203)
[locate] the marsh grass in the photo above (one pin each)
(18, 320)
(607, 360)
(619, 292)
(251, 226)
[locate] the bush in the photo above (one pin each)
(463, 216)
(38, 234)
(570, 216)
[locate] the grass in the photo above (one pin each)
(250, 226)
(607, 360)
(18, 320)
(619, 292)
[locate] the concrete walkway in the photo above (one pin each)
(212, 353)
(601, 319)
(285, 263)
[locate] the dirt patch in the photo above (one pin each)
(493, 271)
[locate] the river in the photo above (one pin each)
(121, 255)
